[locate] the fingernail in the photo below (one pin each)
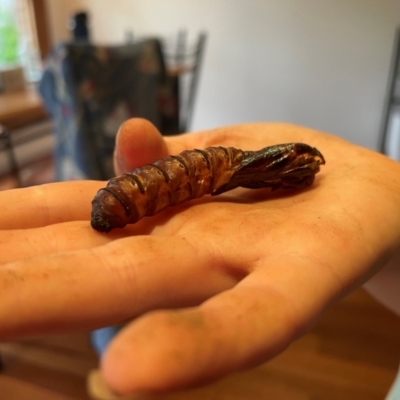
(99, 390)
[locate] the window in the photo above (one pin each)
(28, 17)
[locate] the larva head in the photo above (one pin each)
(288, 165)
(305, 154)
(107, 211)
(302, 164)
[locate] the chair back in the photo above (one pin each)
(185, 63)
(90, 91)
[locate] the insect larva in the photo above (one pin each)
(192, 174)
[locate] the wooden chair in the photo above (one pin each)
(185, 64)
(6, 146)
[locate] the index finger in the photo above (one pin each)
(85, 289)
(48, 204)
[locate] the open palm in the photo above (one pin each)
(206, 288)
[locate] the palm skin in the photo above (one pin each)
(207, 288)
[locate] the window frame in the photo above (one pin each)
(42, 26)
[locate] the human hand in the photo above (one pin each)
(213, 286)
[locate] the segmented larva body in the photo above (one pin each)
(194, 173)
(167, 182)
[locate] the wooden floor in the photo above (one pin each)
(53, 368)
(351, 354)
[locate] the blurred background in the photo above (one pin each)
(321, 64)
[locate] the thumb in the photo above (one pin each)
(138, 142)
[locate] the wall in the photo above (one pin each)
(319, 63)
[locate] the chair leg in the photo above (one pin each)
(5, 135)
(200, 47)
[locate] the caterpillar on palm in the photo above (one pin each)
(172, 180)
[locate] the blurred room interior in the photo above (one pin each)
(331, 66)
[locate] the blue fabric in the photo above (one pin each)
(102, 337)
(91, 90)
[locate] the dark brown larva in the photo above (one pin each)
(194, 173)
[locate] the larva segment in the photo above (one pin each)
(194, 173)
